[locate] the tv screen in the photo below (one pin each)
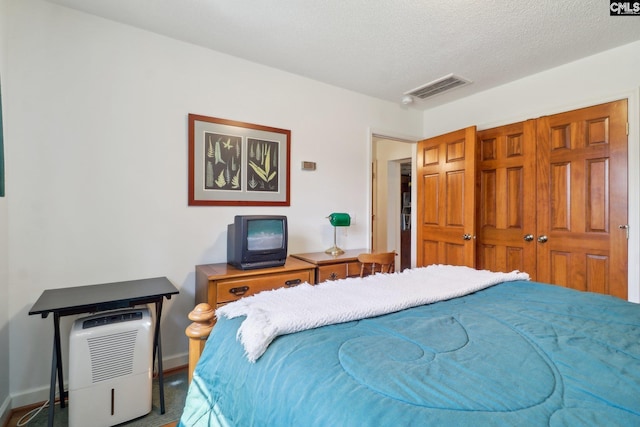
(257, 241)
(265, 234)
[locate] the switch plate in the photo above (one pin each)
(308, 166)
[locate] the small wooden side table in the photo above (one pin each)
(329, 267)
(93, 299)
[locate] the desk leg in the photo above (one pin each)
(52, 386)
(157, 350)
(58, 350)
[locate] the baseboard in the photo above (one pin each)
(30, 397)
(41, 394)
(175, 362)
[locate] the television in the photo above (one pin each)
(257, 241)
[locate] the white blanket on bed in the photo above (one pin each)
(287, 310)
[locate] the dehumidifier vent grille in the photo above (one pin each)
(112, 355)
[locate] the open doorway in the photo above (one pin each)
(405, 214)
(391, 196)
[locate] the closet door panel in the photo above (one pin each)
(455, 204)
(597, 186)
(429, 202)
(506, 198)
(430, 250)
(446, 202)
(582, 180)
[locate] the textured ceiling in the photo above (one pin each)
(384, 48)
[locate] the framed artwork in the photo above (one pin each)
(235, 163)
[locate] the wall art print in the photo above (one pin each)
(237, 163)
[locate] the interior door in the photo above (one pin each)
(506, 188)
(582, 186)
(446, 206)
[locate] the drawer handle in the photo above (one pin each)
(293, 282)
(239, 291)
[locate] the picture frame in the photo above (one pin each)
(234, 163)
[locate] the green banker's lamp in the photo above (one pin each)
(337, 220)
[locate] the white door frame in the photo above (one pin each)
(392, 227)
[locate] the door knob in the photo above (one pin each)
(625, 227)
(466, 236)
(528, 238)
(543, 239)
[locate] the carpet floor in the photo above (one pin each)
(175, 392)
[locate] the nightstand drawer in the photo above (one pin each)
(331, 272)
(337, 271)
(231, 290)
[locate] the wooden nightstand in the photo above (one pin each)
(218, 284)
(330, 267)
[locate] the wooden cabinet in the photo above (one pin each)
(550, 197)
(329, 267)
(218, 284)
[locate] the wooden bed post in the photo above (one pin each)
(203, 317)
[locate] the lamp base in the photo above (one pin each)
(334, 251)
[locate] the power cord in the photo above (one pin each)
(29, 416)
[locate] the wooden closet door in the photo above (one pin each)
(506, 188)
(446, 202)
(582, 199)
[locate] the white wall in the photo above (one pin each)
(96, 145)
(612, 75)
(4, 254)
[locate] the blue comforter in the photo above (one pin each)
(519, 353)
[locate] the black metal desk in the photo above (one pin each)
(94, 298)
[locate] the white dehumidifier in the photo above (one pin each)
(110, 368)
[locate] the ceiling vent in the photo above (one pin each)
(436, 87)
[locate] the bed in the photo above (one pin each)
(504, 352)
